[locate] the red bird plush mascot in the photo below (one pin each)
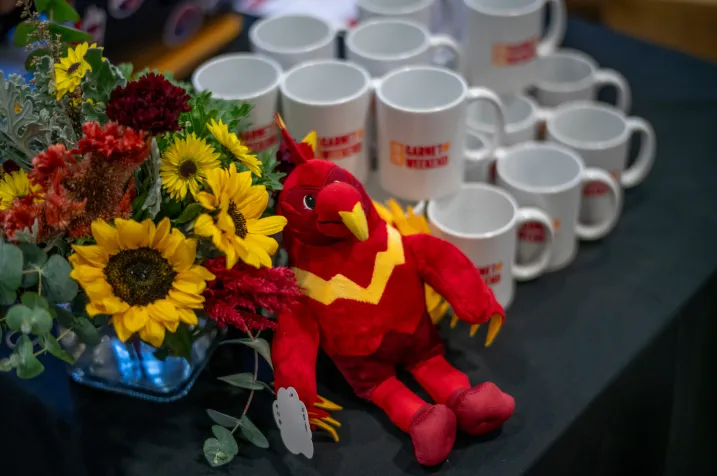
(364, 305)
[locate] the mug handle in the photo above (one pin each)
(445, 41)
(556, 30)
(645, 158)
(610, 77)
(591, 232)
(484, 94)
(528, 271)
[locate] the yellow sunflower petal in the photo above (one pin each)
(163, 310)
(92, 309)
(114, 305)
(187, 316)
(186, 300)
(86, 274)
(96, 255)
(161, 232)
(253, 203)
(204, 225)
(152, 333)
(266, 226)
(132, 234)
(135, 318)
(262, 242)
(196, 272)
(106, 236)
(206, 200)
(122, 332)
(189, 286)
(183, 257)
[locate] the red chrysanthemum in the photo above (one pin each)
(237, 296)
(151, 103)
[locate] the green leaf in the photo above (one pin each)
(54, 348)
(41, 321)
(63, 12)
(34, 259)
(244, 380)
(19, 318)
(66, 318)
(126, 69)
(215, 453)
(99, 83)
(23, 34)
(179, 343)
(252, 433)
(7, 297)
(57, 285)
(41, 5)
(94, 58)
(260, 345)
(190, 213)
(34, 301)
(30, 61)
(6, 365)
(222, 418)
(27, 366)
(86, 331)
(67, 34)
(10, 266)
(226, 438)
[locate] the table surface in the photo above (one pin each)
(567, 335)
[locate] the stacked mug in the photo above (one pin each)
(459, 141)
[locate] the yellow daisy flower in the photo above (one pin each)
(234, 146)
(17, 185)
(71, 69)
(235, 227)
(185, 165)
(141, 275)
(408, 223)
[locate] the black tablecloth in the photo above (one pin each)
(606, 359)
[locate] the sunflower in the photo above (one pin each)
(185, 165)
(234, 147)
(408, 223)
(235, 227)
(71, 69)
(141, 275)
(17, 185)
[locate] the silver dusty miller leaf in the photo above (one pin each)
(153, 203)
(22, 131)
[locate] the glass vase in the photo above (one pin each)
(131, 368)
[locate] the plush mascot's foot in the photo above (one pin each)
(481, 409)
(433, 432)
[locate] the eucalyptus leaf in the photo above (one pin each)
(41, 5)
(41, 321)
(19, 318)
(54, 348)
(64, 317)
(67, 34)
(34, 259)
(23, 34)
(63, 12)
(57, 285)
(27, 364)
(260, 345)
(34, 301)
(226, 438)
(244, 380)
(215, 453)
(6, 365)
(7, 296)
(11, 262)
(252, 433)
(86, 331)
(222, 418)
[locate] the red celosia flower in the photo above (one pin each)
(151, 103)
(56, 157)
(238, 295)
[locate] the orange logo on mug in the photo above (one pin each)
(491, 273)
(340, 147)
(260, 138)
(508, 54)
(419, 156)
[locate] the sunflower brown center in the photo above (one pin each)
(188, 169)
(139, 277)
(73, 67)
(238, 219)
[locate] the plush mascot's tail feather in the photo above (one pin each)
(302, 151)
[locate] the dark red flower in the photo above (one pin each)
(56, 157)
(238, 296)
(150, 103)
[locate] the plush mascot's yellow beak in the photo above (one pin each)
(355, 221)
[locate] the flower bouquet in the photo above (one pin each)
(130, 214)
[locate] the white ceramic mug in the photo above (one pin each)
(417, 10)
(569, 75)
(503, 39)
(250, 78)
(523, 119)
(552, 177)
(482, 221)
(331, 97)
(601, 135)
(293, 39)
(384, 44)
(482, 170)
(421, 130)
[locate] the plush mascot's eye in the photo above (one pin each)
(310, 202)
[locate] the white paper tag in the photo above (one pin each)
(293, 421)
